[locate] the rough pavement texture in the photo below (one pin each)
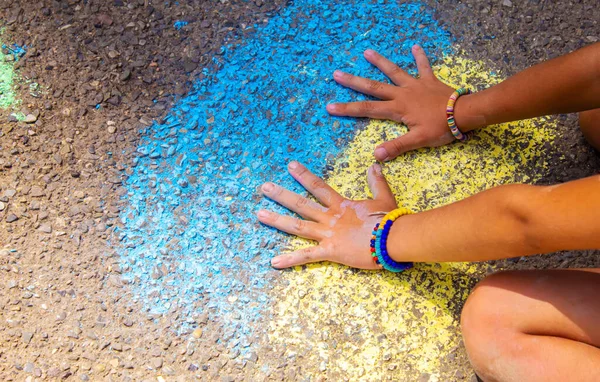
(100, 67)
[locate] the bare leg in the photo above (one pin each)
(589, 122)
(535, 326)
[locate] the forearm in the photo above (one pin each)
(566, 84)
(506, 221)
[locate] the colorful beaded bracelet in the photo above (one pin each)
(450, 115)
(379, 242)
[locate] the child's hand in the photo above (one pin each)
(342, 227)
(418, 103)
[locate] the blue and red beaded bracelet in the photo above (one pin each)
(379, 242)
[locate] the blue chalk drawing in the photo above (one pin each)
(189, 238)
(180, 24)
(15, 50)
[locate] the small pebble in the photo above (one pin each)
(26, 337)
(30, 118)
(252, 356)
(156, 363)
(36, 192)
(234, 354)
(197, 333)
(46, 228)
(99, 367)
(29, 367)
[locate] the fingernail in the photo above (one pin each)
(377, 169)
(263, 214)
(369, 52)
(331, 107)
(381, 154)
(338, 74)
(275, 261)
(293, 165)
(267, 187)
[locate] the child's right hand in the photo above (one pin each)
(418, 103)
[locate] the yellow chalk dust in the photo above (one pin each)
(364, 325)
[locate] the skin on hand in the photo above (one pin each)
(341, 227)
(418, 103)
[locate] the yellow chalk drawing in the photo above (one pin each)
(373, 326)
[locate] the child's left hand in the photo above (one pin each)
(342, 227)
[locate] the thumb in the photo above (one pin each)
(379, 186)
(391, 149)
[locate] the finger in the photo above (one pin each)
(304, 207)
(369, 109)
(302, 256)
(380, 187)
(422, 61)
(391, 149)
(315, 185)
(303, 228)
(364, 85)
(393, 71)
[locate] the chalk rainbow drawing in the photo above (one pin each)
(190, 241)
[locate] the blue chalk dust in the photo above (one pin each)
(15, 50)
(190, 238)
(180, 24)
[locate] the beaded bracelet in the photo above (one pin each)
(379, 242)
(450, 115)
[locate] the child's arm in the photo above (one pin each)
(566, 84)
(506, 221)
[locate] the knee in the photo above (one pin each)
(589, 122)
(487, 326)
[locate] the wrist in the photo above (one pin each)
(467, 113)
(399, 243)
(379, 242)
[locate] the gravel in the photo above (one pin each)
(108, 71)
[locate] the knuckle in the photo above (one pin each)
(341, 108)
(317, 183)
(367, 106)
(374, 85)
(398, 146)
(301, 202)
(309, 253)
(397, 114)
(299, 225)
